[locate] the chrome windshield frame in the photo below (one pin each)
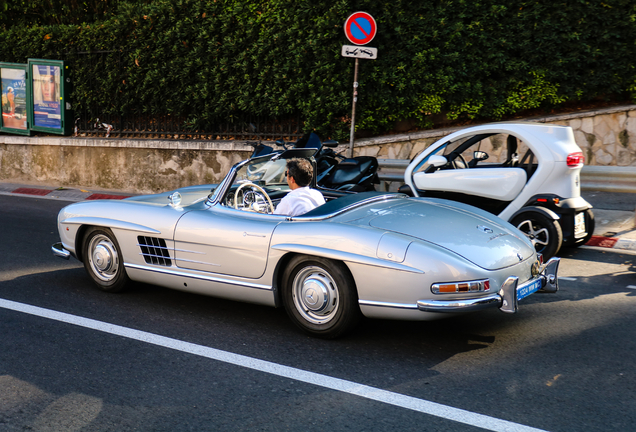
(227, 182)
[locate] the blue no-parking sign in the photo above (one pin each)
(360, 28)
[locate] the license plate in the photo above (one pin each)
(579, 225)
(528, 288)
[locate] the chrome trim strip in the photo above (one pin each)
(245, 233)
(459, 305)
(153, 246)
(344, 256)
(110, 223)
(386, 304)
(180, 273)
(189, 251)
(59, 251)
(156, 256)
(197, 262)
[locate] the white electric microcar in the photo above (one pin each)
(526, 173)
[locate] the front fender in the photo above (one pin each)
(108, 223)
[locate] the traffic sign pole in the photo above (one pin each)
(353, 109)
(360, 28)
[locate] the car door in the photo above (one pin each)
(224, 241)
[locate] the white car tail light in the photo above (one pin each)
(575, 159)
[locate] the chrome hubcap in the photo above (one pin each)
(103, 258)
(315, 295)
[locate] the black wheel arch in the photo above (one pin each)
(279, 271)
(79, 241)
(551, 214)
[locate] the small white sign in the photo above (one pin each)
(359, 52)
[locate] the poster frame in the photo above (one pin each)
(64, 107)
(28, 110)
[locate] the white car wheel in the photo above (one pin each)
(544, 233)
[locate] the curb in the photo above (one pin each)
(612, 243)
(61, 193)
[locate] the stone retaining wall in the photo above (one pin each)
(607, 137)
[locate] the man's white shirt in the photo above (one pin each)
(299, 201)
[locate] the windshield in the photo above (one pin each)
(263, 173)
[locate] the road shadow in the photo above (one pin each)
(254, 330)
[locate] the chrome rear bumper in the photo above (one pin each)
(506, 299)
(59, 251)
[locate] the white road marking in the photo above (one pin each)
(631, 286)
(372, 393)
(567, 278)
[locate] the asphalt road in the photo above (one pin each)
(563, 363)
(610, 200)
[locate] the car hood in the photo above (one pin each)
(481, 238)
(189, 195)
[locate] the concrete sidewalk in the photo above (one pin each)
(614, 213)
(615, 220)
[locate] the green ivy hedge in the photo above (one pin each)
(218, 60)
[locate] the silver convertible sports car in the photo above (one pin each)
(368, 254)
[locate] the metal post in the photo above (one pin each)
(353, 109)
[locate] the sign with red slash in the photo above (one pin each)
(360, 29)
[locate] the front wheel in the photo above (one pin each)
(544, 232)
(320, 296)
(103, 260)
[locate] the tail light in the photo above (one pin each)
(575, 159)
(458, 287)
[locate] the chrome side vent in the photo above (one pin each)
(154, 251)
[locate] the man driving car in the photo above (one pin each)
(301, 197)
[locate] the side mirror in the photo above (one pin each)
(330, 143)
(437, 160)
(480, 155)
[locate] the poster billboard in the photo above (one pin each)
(47, 103)
(48, 96)
(15, 96)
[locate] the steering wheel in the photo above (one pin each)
(463, 162)
(260, 190)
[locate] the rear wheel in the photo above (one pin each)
(320, 296)
(103, 260)
(544, 232)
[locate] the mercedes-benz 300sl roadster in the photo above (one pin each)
(372, 254)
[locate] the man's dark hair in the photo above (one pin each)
(301, 170)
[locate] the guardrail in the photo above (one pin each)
(598, 178)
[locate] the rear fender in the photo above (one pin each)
(544, 211)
